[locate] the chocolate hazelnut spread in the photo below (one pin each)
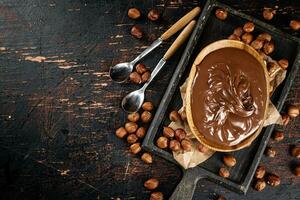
(228, 96)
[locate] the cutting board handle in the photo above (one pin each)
(185, 189)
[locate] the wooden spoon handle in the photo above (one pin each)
(180, 23)
(180, 40)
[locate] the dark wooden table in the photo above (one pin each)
(59, 108)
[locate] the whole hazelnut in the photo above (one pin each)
(168, 132)
(257, 44)
(134, 13)
(186, 145)
(238, 31)
(283, 63)
(180, 134)
(278, 136)
(136, 32)
(156, 196)
(270, 152)
(202, 148)
(229, 160)
(264, 36)
(260, 172)
(140, 68)
(135, 78)
(153, 15)
(146, 116)
(285, 119)
(135, 148)
(297, 170)
(174, 116)
(131, 127)
(268, 13)
(269, 47)
(151, 183)
(174, 145)
(273, 180)
(247, 38)
(260, 185)
(224, 172)
(147, 158)
(221, 14)
(140, 132)
(133, 117)
(121, 132)
(248, 27)
(295, 25)
(183, 115)
(132, 138)
(162, 142)
(146, 76)
(293, 111)
(148, 106)
(295, 151)
(221, 198)
(234, 37)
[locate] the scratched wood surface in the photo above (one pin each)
(59, 109)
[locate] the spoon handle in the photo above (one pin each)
(180, 40)
(180, 23)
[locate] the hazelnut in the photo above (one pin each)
(221, 14)
(285, 119)
(186, 145)
(121, 132)
(262, 55)
(293, 111)
(247, 38)
(269, 47)
(295, 151)
(229, 160)
(174, 145)
(234, 37)
(248, 27)
(295, 25)
(260, 185)
(146, 76)
(221, 198)
(278, 136)
(168, 132)
(134, 13)
(133, 117)
(135, 78)
(260, 172)
(297, 170)
(224, 172)
(180, 134)
(148, 106)
(140, 132)
(135, 148)
(238, 31)
(162, 142)
(268, 13)
(174, 116)
(273, 180)
(156, 196)
(183, 115)
(202, 148)
(153, 15)
(146, 116)
(132, 138)
(136, 32)
(264, 36)
(151, 183)
(270, 152)
(140, 68)
(283, 63)
(147, 158)
(131, 127)
(257, 44)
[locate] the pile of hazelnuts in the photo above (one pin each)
(140, 75)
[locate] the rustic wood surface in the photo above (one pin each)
(59, 108)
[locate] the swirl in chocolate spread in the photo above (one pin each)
(228, 96)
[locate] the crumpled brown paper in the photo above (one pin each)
(189, 159)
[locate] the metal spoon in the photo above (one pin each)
(121, 71)
(134, 100)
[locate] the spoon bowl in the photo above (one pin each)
(133, 101)
(121, 71)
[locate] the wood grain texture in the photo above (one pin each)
(59, 108)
